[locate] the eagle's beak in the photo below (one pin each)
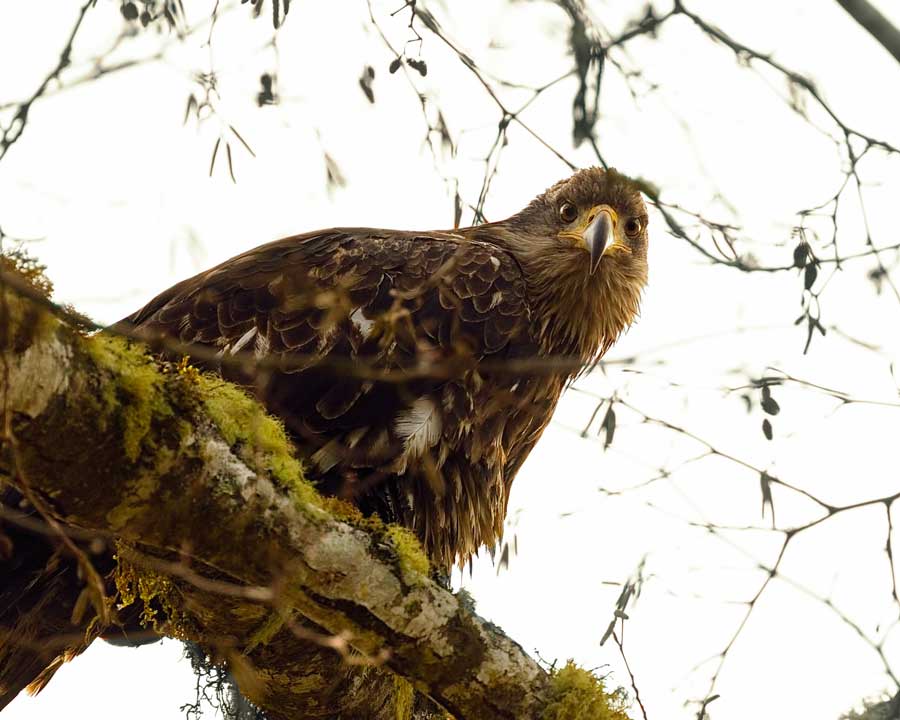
(601, 226)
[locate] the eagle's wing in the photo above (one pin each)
(327, 312)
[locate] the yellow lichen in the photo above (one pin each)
(160, 597)
(136, 396)
(187, 371)
(18, 261)
(410, 555)
(576, 694)
(412, 558)
(23, 320)
(403, 698)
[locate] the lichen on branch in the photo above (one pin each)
(221, 539)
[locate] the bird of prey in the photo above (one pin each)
(416, 370)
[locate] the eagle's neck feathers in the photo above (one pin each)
(575, 314)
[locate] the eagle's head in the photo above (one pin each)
(583, 246)
(589, 222)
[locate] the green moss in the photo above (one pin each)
(263, 443)
(137, 396)
(577, 694)
(259, 439)
(412, 558)
(137, 399)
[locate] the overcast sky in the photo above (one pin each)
(117, 190)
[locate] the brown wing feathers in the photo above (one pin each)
(429, 452)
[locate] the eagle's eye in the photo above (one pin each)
(633, 227)
(568, 212)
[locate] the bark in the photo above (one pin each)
(226, 544)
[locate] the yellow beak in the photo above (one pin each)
(601, 224)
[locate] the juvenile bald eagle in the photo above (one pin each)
(416, 370)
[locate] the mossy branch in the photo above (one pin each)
(219, 535)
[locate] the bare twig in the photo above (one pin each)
(877, 25)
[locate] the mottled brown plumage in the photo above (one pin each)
(436, 444)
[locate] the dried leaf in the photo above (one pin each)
(395, 65)
(191, 105)
(419, 66)
(428, 20)
(212, 163)
(767, 429)
(230, 165)
(503, 563)
(765, 486)
(609, 427)
(365, 83)
(243, 142)
(811, 325)
(809, 275)
(266, 95)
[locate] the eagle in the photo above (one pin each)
(415, 371)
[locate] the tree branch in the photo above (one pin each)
(878, 26)
(237, 550)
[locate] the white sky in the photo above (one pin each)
(119, 191)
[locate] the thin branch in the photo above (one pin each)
(13, 132)
(877, 25)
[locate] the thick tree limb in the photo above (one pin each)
(878, 26)
(240, 549)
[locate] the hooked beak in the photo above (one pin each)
(597, 234)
